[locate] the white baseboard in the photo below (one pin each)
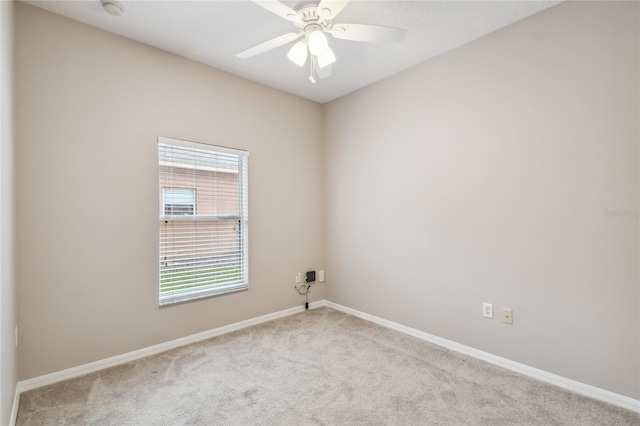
(81, 370)
(554, 379)
(563, 382)
(14, 408)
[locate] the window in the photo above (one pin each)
(203, 210)
(178, 201)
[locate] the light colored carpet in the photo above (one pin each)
(320, 367)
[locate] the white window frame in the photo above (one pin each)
(200, 291)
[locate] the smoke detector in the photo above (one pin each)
(112, 7)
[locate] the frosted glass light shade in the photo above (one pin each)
(317, 42)
(298, 53)
(326, 58)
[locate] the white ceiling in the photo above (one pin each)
(213, 32)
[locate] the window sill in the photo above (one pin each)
(174, 298)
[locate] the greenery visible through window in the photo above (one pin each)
(203, 220)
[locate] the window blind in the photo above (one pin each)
(203, 210)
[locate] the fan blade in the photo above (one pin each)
(333, 6)
(279, 9)
(268, 45)
(367, 33)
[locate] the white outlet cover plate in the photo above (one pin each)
(487, 310)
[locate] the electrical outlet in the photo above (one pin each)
(507, 316)
(487, 310)
(298, 277)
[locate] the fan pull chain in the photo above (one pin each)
(312, 78)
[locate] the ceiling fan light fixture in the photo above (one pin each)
(326, 58)
(298, 53)
(313, 22)
(317, 42)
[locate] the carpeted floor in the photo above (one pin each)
(321, 367)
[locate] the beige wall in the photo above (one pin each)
(500, 159)
(8, 316)
(90, 108)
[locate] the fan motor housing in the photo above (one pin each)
(312, 21)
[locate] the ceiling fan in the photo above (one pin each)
(313, 21)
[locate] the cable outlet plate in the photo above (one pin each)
(487, 310)
(507, 316)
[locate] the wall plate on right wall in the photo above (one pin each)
(507, 316)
